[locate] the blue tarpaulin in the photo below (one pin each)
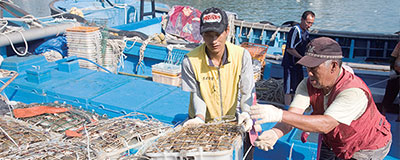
(58, 44)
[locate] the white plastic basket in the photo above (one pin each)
(84, 42)
(167, 73)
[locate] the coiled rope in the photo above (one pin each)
(117, 49)
(270, 90)
(141, 53)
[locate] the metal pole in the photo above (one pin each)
(8, 82)
(35, 33)
(141, 9)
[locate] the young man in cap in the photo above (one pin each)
(297, 41)
(344, 112)
(216, 74)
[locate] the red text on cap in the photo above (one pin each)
(212, 17)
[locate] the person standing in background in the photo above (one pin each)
(392, 86)
(297, 41)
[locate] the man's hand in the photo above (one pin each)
(193, 121)
(257, 128)
(397, 65)
(245, 121)
(266, 140)
(392, 74)
(265, 113)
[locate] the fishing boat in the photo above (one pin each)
(366, 53)
(133, 89)
(21, 33)
(108, 12)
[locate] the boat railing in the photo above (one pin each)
(356, 47)
(152, 12)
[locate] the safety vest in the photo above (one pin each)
(370, 131)
(218, 85)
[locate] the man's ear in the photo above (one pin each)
(335, 66)
(227, 29)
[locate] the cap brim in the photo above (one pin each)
(211, 29)
(309, 61)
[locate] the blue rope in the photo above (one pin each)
(94, 63)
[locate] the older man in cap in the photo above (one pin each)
(218, 74)
(344, 112)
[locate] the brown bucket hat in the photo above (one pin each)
(319, 50)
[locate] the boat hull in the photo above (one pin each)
(106, 13)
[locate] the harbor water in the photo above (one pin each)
(372, 16)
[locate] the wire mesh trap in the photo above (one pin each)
(53, 150)
(113, 137)
(71, 119)
(15, 135)
(208, 137)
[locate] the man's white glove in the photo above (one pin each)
(257, 128)
(193, 121)
(265, 113)
(245, 121)
(266, 140)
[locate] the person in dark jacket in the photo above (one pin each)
(297, 40)
(393, 85)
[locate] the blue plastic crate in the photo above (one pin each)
(38, 75)
(20, 64)
(69, 66)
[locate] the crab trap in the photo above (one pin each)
(59, 131)
(208, 141)
(121, 136)
(16, 135)
(53, 150)
(54, 116)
